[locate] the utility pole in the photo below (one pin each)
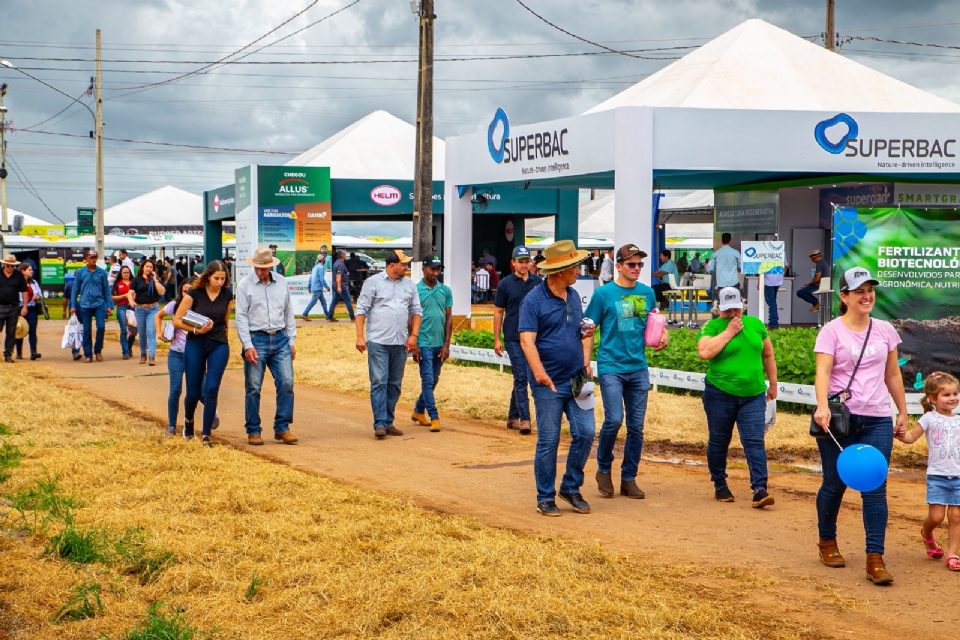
(98, 89)
(423, 171)
(830, 35)
(3, 159)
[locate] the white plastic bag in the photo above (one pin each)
(771, 418)
(69, 333)
(131, 318)
(78, 341)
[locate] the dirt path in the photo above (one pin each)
(482, 470)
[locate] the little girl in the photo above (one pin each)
(941, 393)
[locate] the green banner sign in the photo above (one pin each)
(279, 186)
(242, 188)
(51, 271)
(85, 217)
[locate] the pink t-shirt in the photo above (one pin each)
(868, 393)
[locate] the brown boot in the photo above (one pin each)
(604, 484)
(876, 571)
(524, 427)
(513, 424)
(630, 489)
(830, 554)
(152, 362)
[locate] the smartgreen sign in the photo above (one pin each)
(279, 186)
(85, 220)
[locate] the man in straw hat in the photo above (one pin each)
(389, 309)
(558, 344)
(267, 328)
(91, 290)
(12, 285)
(819, 272)
(620, 311)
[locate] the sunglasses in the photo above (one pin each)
(633, 265)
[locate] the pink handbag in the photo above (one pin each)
(654, 330)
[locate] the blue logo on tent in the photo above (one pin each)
(820, 133)
(750, 252)
(497, 152)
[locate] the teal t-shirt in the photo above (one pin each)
(738, 368)
(670, 267)
(434, 303)
(621, 318)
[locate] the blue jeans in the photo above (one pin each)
(31, 318)
(724, 409)
(550, 407)
(385, 363)
(146, 329)
(87, 316)
(623, 391)
(430, 364)
(273, 352)
(204, 357)
(317, 295)
(122, 321)
(519, 402)
(876, 432)
(770, 297)
(176, 368)
(344, 295)
(806, 293)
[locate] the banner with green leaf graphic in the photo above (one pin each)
(915, 255)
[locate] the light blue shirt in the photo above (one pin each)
(726, 264)
(388, 306)
(264, 307)
(318, 280)
(670, 267)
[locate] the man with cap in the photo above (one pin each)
(13, 288)
(89, 300)
(506, 317)
(433, 343)
(341, 287)
(318, 284)
(558, 345)
(620, 312)
(267, 328)
(279, 266)
(389, 309)
(819, 272)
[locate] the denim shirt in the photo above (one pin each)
(317, 278)
(388, 306)
(90, 289)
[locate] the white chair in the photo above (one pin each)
(676, 292)
(823, 290)
(701, 282)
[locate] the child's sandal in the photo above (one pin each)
(936, 553)
(953, 562)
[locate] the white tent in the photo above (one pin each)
(756, 65)
(28, 220)
(164, 207)
(379, 146)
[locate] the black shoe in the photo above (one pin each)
(8, 359)
(722, 494)
(549, 509)
(576, 501)
(206, 441)
(19, 356)
(34, 356)
(188, 429)
(762, 499)
(172, 430)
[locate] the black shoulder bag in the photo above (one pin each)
(839, 413)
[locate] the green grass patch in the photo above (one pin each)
(160, 625)
(44, 501)
(253, 588)
(10, 456)
(5, 430)
(81, 545)
(136, 556)
(84, 603)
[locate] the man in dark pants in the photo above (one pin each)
(89, 301)
(12, 285)
(819, 271)
(506, 315)
(341, 287)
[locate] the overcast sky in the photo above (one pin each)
(291, 107)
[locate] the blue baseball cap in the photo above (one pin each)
(521, 252)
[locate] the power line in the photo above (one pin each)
(34, 126)
(21, 177)
(166, 144)
(845, 39)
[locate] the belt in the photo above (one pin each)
(267, 333)
(149, 306)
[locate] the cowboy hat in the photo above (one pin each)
(22, 328)
(262, 259)
(561, 255)
(9, 261)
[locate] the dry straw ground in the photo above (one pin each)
(335, 561)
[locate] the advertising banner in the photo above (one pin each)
(864, 195)
(51, 271)
(85, 220)
(747, 212)
(915, 255)
(763, 257)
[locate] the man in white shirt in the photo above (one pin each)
(606, 269)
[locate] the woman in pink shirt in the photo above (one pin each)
(838, 347)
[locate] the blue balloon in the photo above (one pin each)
(862, 467)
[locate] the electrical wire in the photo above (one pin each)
(21, 177)
(34, 126)
(848, 38)
(164, 144)
(591, 42)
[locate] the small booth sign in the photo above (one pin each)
(762, 257)
(385, 195)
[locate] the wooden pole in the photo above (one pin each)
(98, 88)
(423, 171)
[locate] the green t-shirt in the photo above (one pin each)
(433, 322)
(738, 368)
(621, 318)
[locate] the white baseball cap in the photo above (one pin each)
(587, 399)
(730, 299)
(853, 279)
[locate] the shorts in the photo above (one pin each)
(943, 490)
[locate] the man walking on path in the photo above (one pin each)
(341, 287)
(318, 284)
(267, 328)
(506, 317)
(13, 290)
(433, 344)
(558, 346)
(389, 309)
(819, 272)
(89, 300)
(620, 312)
(726, 265)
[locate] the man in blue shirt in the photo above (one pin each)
(725, 264)
(620, 312)
(318, 283)
(506, 316)
(341, 287)
(433, 343)
(558, 347)
(667, 268)
(89, 300)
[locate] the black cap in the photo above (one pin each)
(433, 261)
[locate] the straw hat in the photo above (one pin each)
(262, 259)
(9, 260)
(561, 255)
(22, 328)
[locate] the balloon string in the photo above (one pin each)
(830, 433)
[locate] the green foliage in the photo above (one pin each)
(162, 626)
(136, 556)
(256, 581)
(43, 501)
(10, 455)
(4, 430)
(84, 603)
(477, 339)
(80, 545)
(304, 262)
